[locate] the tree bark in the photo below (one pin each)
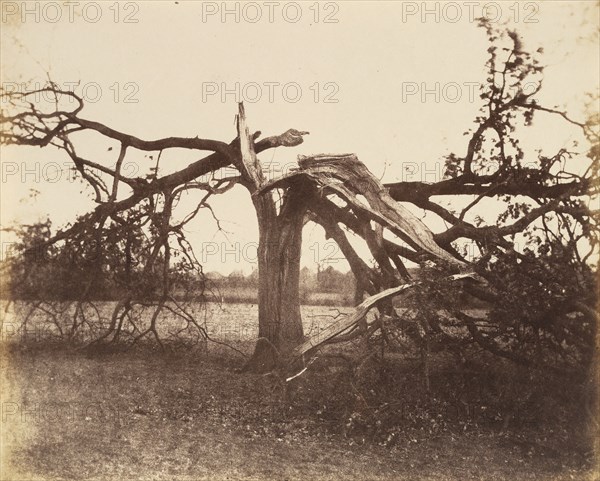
(279, 317)
(279, 250)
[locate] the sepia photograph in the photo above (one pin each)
(299, 240)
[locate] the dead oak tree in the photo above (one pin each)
(544, 202)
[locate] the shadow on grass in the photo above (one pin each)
(110, 413)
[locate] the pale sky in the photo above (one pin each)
(344, 71)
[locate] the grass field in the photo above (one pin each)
(234, 323)
(145, 414)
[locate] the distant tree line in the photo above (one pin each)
(98, 271)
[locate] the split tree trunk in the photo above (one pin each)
(279, 250)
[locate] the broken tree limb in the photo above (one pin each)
(349, 178)
(249, 165)
(359, 313)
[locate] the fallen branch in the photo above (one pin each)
(360, 312)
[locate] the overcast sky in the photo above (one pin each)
(353, 74)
